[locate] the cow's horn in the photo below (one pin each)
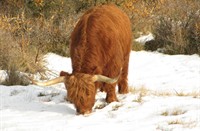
(105, 79)
(50, 82)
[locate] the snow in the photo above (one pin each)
(164, 96)
(145, 38)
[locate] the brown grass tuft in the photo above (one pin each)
(141, 93)
(173, 112)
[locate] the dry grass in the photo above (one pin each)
(188, 124)
(116, 107)
(137, 46)
(157, 93)
(174, 112)
(194, 94)
(143, 91)
(175, 122)
(14, 60)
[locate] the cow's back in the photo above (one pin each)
(101, 41)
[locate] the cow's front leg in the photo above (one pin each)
(110, 90)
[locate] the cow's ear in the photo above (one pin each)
(63, 73)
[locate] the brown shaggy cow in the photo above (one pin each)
(100, 46)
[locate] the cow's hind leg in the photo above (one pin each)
(123, 86)
(123, 81)
(110, 90)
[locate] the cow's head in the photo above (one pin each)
(80, 87)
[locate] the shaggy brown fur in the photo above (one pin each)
(81, 91)
(100, 44)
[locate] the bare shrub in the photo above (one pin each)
(177, 30)
(15, 61)
(29, 29)
(9, 49)
(174, 23)
(137, 46)
(42, 24)
(8, 59)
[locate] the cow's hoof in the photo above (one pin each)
(111, 99)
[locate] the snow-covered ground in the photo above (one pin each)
(164, 96)
(145, 38)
